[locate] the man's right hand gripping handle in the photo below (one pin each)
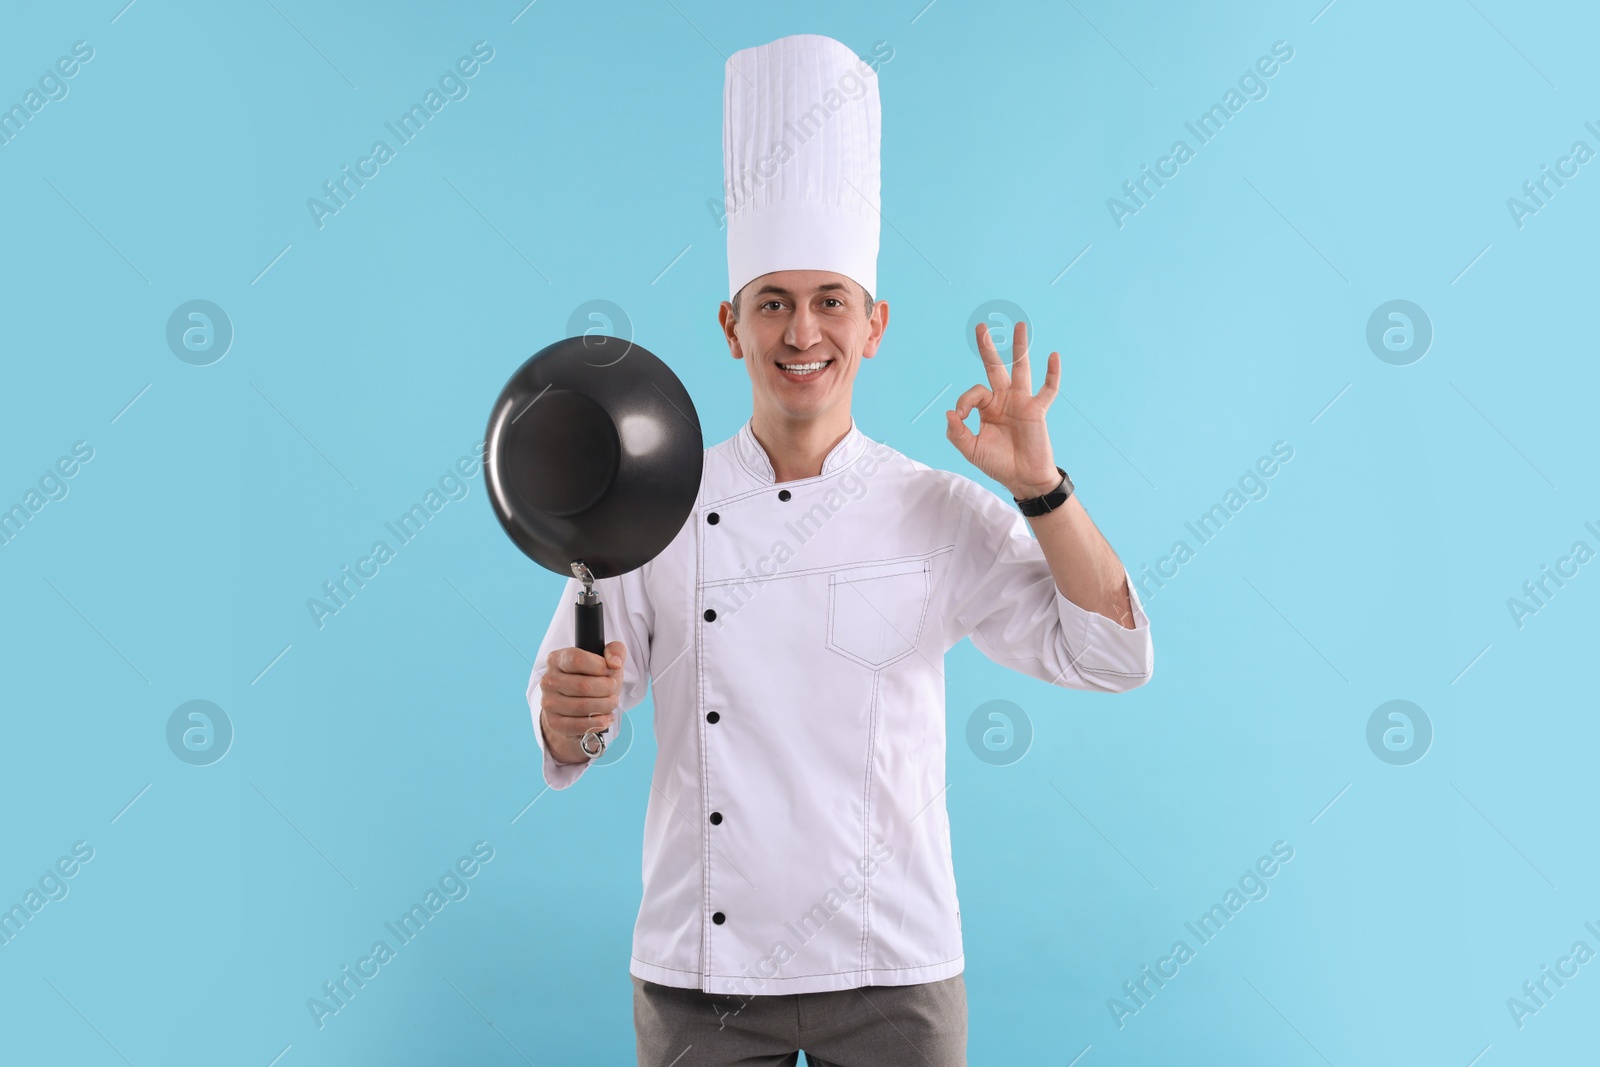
(578, 693)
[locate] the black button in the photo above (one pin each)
(712, 716)
(718, 918)
(713, 518)
(716, 818)
(710, 615)
(783, 494)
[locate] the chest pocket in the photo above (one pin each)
(876, 612)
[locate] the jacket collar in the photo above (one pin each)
(754, 458)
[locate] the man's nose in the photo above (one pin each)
(804, 329)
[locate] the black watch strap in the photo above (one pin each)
(1040, 505)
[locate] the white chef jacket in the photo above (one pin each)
(796, 838)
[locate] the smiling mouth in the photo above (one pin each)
(805, 371)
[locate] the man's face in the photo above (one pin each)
(790, 321)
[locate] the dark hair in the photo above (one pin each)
(858, 285)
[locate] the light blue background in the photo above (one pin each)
(1226, 315)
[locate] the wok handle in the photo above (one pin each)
(589, 624)
(589, 634)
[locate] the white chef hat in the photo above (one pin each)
(800, 127)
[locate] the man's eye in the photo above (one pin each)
(772, 305)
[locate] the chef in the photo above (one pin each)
(799, 891)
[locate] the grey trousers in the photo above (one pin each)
(875, 1026)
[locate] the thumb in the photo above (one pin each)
(614, 654)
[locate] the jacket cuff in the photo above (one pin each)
(1103, 650)
(557, 775)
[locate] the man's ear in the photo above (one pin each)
(728, 323)
(877, 323)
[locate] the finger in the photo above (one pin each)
(577, 661)
(616, 654)
(575, 726)
(577, 708)
(578, 715)
(956, 428)
(975, 397)
(1052, 379)
(1021, 373)
(993, 365)
(580, 685)
(960, 436)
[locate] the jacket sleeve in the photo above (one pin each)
(629, 618)
(1003, 594)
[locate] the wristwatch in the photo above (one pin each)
(1040, 505)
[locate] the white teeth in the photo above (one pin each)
(804, 368)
